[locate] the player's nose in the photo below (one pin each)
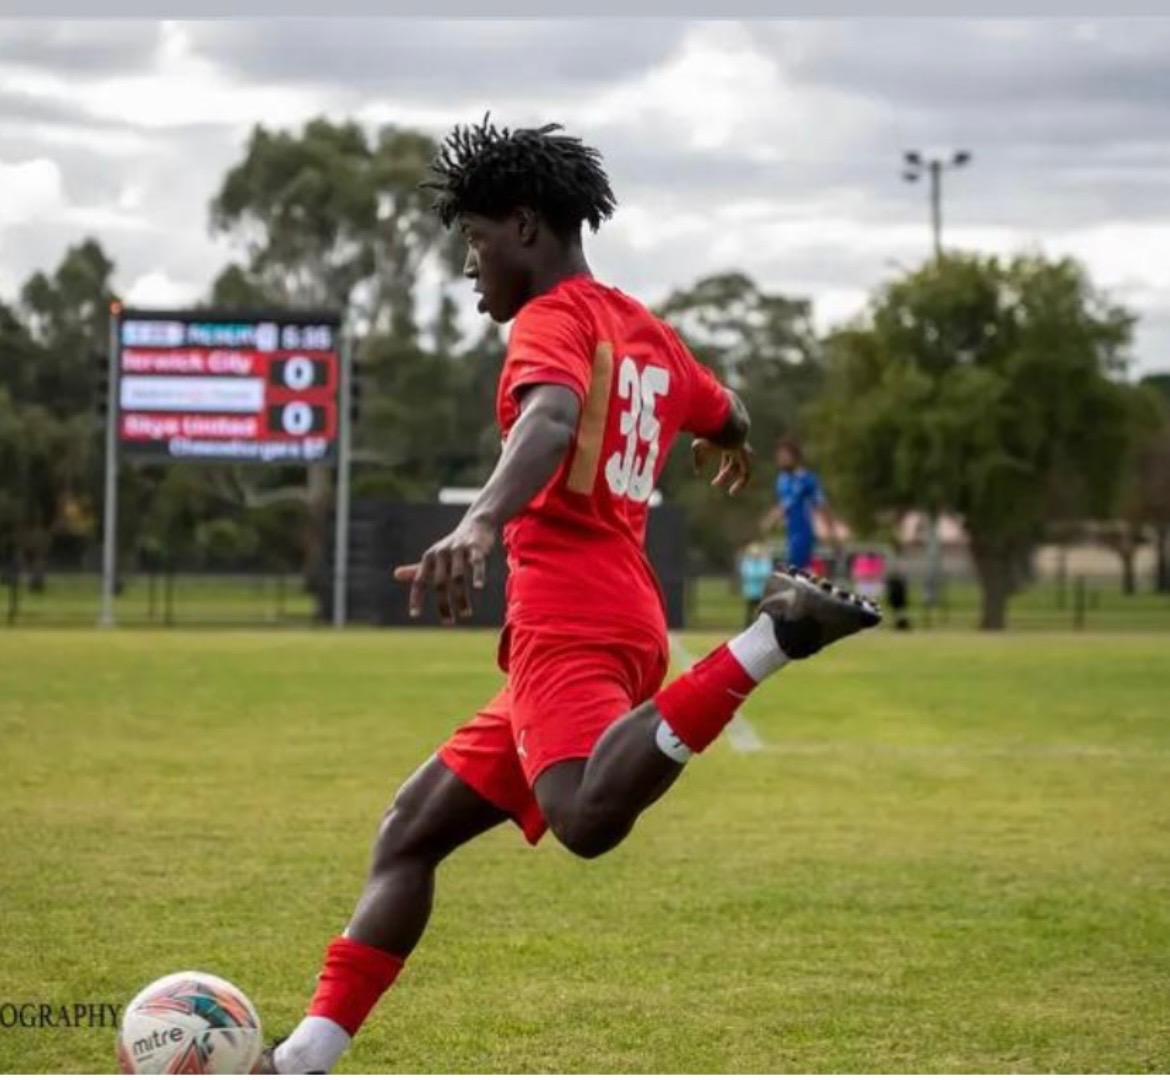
(471, 265)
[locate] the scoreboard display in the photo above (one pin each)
(201, 386)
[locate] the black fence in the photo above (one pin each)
(382, 535)
(171, 596)
(387, 534)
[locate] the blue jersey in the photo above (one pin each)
(798, 494)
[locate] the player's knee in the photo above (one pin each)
(587, 832)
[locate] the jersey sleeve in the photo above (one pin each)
(550, 343)
(708, 405)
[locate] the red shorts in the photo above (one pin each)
(562, 693)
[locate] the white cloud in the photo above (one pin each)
(186, 88)
(768, 147)
(158, 290)
(30, 190)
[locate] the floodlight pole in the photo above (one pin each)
(914, 165)
(110, 508)
(936, 206)
(341, 524)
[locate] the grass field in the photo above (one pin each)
(950, 856)
(714, 606)
(259, 600)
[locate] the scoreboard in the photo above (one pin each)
(202, 386)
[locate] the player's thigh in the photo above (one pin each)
(482, 755)
(568, 690)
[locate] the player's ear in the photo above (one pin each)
(527, 224)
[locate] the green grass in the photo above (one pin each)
(951, 857)
(75, 599)
(243, 600)
(715, 605)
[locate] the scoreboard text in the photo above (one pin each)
(194, 386)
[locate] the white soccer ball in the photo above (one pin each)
(190, 1022)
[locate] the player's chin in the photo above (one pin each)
(498, 310)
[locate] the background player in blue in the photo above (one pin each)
(799, 497)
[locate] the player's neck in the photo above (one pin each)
(572, 265)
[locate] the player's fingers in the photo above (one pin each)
(418, 588)
(726, 466)
(460, 599)
(406, 573)
(743, 472)
(747, 459)
(444, 572)
(700, 454)
(443, 600)
(478, 569)
(418, 592)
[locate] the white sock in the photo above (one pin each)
(671, 745)
(757, 650)
(315, 1045)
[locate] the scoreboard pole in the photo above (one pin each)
(110, 510)
(344, 440)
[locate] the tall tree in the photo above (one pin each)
(48, 349)
(326, 218)
(68, 316)
(765, 346)
(302, 207)
(971, 387)
(20, 357)
(1144, 489)
(1152, 480)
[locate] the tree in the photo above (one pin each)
(48, 348)
(235, 289)
(42, 464)
(1152, 480)
(1142, 495)
(302, 207)
(764, 346)
(20, 357)
(974, 386)
(328, 219)
(68, 317)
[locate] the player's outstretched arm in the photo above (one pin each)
(729, 444)
(537, 445)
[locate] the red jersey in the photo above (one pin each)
(576, 553)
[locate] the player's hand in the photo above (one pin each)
(448, 566)
(735, 466)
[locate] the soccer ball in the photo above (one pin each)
(190, 1022)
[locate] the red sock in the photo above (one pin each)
(355, 976)
(701, 703)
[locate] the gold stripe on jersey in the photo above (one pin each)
(591, 429)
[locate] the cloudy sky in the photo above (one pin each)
(773, 147)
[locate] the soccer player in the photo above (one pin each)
(799, 497)
(583, 736)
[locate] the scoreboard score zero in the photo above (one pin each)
(197, 386)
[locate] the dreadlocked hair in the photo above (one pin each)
(486, 170)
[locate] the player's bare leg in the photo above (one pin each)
(433, 813)
(591, 805)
